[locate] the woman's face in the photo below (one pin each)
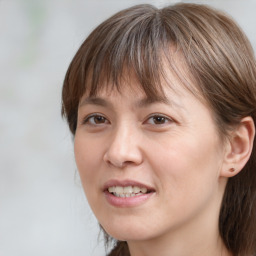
(149, 169)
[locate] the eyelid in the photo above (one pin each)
(86, 119)
(171, 120)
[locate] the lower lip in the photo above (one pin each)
(127, 201)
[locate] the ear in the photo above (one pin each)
(238, 148)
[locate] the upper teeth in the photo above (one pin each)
(126, 191)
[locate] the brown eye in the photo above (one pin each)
(95, 120)
(99, 119)
(158, 120)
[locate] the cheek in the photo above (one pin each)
(87, 156)
(186, 166)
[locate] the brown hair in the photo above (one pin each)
(220, 59)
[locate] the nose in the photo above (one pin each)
(124, 147)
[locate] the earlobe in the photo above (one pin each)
(229, 172)
(239, 148)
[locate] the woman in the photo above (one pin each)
(162, 106)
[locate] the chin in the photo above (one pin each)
(128, 232)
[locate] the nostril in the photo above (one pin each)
(113, 161)
(127, 163)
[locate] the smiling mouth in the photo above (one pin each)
(128, 191)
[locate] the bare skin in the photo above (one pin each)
(170, 147)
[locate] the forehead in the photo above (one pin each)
(172, 71)
(136, 97)
(174, 77)
(131, 92)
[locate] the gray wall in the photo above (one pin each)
(43, 211)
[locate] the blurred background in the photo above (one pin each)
(43, 210)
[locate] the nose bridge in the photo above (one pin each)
(122, 132)
(124, 145)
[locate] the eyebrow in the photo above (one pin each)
(95, 101)
(140, 103)
(147, 101)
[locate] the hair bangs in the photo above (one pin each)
(129, 50)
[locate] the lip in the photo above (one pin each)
(125, 183)
(123, 202)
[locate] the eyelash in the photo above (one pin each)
(86, 120)
(161, 118)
